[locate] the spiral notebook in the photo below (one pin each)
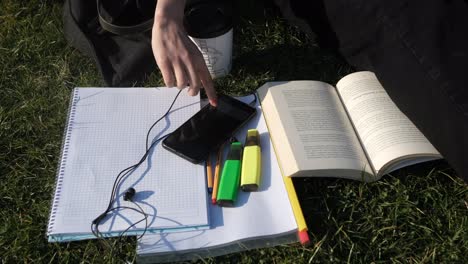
(105, 133)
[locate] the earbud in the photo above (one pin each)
(129, 194)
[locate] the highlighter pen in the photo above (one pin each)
(251, 162)
(230, 177)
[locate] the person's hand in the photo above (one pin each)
(180, 61)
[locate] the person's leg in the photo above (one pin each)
(419, 52)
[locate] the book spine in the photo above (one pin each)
(63, 159)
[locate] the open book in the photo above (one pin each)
(352, 131)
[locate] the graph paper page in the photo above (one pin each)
(106, 133)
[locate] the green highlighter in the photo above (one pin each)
(230, 177)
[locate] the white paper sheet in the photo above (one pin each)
(106, 134)
(262, 215)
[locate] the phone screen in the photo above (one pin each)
(208, 129)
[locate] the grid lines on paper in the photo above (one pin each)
(109, 135)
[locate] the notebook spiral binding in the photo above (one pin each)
(63, 158)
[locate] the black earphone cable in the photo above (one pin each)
(167, 112)
(130, 169)
(121, 176)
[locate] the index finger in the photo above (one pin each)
(207, 83)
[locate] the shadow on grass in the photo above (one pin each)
(329, 201)
(293, 62)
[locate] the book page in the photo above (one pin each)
(308, 118)
(386, 133)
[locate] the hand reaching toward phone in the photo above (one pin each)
(180, 61)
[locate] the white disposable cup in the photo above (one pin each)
(209, 24)
(217, 53)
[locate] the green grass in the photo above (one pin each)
(418, 215)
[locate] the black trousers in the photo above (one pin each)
(419, 52)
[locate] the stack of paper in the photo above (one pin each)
(259, 219)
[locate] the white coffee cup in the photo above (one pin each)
(209, 25)
(217, 53)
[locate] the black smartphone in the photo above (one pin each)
(208, 129)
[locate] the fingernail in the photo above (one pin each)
(213, 102)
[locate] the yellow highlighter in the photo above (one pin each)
(251, 162)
